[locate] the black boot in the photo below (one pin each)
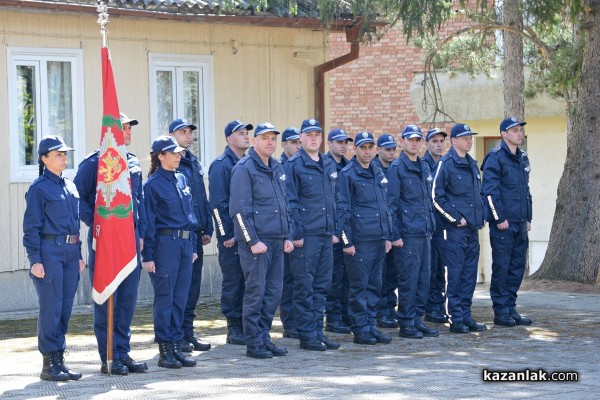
(167, 358)
(51, 370)
(198, 345)
(235, 334)
(72, 374)
(185, 361)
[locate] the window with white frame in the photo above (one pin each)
(45, 98)
(181, 86)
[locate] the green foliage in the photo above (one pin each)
(465, 53)
(119, 211)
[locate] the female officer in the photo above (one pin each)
(169, 248)
(51, 238)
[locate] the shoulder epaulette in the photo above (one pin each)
(93, 153)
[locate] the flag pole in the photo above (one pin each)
(103, 20)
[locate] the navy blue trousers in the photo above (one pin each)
(232, 286)
(171, 283)
(413, 267)
(437, 283)
(389, 284)
(459, 249)
(56, 292)
(364, 280)
(286, 306)
(263, 274)
(509, 252)
(124, 300)
(337, 298)
(194, 293)
(311, 266)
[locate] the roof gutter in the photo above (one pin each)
(353, 37)
(260, 20)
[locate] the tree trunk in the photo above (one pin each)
(574, 249)
(514, 77)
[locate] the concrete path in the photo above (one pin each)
(565, 336)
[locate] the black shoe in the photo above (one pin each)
(364, 338)
(387, 322)
(313, 345)
(330, 344)
(197, 344)
(184, 346)
(410, 332)
(258, 352)
(74, 376)
(459, 327)
(337, 327)
(51, 370)
(436, 317)
(182, 358)
(380, 336)
(475, 326)
(520, 320)
(504, 320)
(427, 331)
(277, 351)
(167, 358)
(235, 332)
(291, 334)
(117, 368)
(134, 366)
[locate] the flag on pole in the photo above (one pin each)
(113, 230)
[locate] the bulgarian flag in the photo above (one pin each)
(113, 231)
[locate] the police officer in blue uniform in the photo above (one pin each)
(364, 224)
(457, 200)
(51, 239)
(125, 297)
(311, 178)
(181, 130)
(169, 248)
(262, 225)
(386, 310)
(435, 311)
(508, 209)
(219, 179)
(338, 320)
(409, 191)
(290, 141)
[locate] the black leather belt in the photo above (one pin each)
(175, 232)
(69, 239)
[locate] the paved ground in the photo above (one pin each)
(565, 337)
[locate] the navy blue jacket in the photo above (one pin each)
(219, 179)
(52, 209)
(190, 166)
(169, 205)
(311, 194)
(86, 181)
(258, 204)
(338, 165)
(362, 212)
(431, 162)
(283, 158)
(457, 192)
(377, 162)
(409, 192)
(505, 185)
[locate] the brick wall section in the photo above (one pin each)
(372, 92)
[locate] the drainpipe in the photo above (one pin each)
(352, 37)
